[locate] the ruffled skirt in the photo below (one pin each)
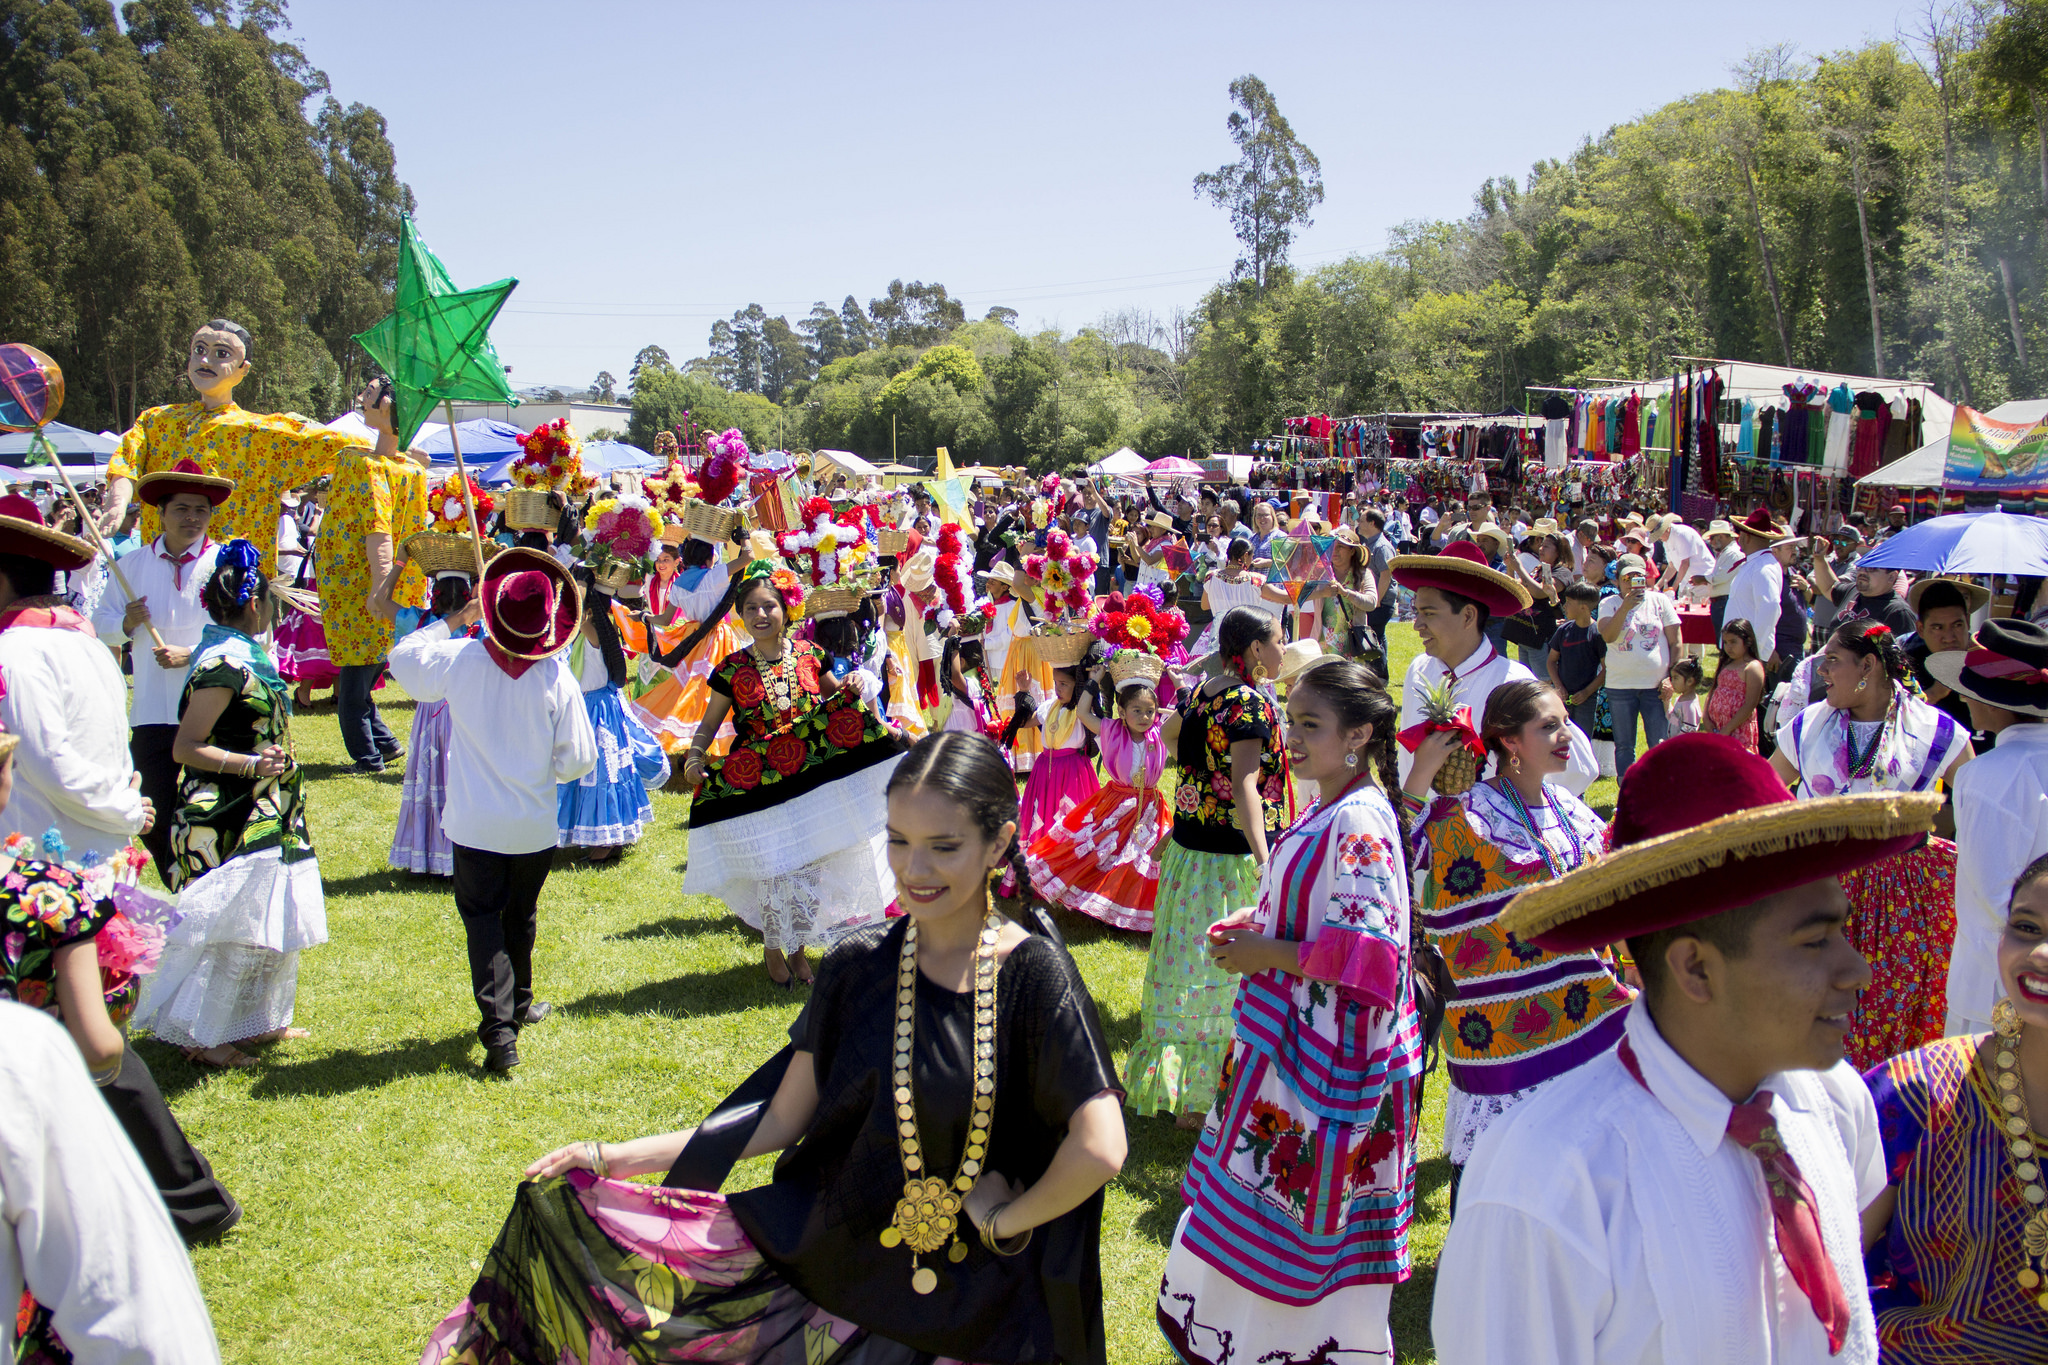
(418, 845)
(608, 806)
(609, 1272)
(230, 966)
(805, 871)
(1902, 918)
(674, 707)
(1184, 1024)
(1061, 779)
(302, 650)
(1101, 859)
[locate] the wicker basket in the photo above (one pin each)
(615, 576)
(715, 524)
(834, 600)
(890, 541)
(674, 533)
(445, 552)
(526, 509)
(1127, 664)
(1062, 651)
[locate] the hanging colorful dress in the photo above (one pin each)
(1205, 873)
(788, 828)
(1301, 1188)
(1101, 858)
(1522, 1016)
(250, 899)
(608, 806)
(1946, 1280)
(1902, 909)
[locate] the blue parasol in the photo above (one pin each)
(1968, 543)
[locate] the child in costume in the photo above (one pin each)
(418, 844)
(1064, 776)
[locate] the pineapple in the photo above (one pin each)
(1461, 769)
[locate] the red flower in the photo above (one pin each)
(786, 753)
(34, 994)
(1375, 1149)
(1532, 1018)
(1292, 1174)
(845, 728)
(807, 674)
(742, 769)
(746, 687)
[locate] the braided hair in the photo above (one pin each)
(597, 609)
(1240, 629)
(1866, 638)
(451, 594)
(1359, 697)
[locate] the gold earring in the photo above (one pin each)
(1515, 764)
(2005, 1019)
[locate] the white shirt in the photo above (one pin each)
(1477, 677)
(2001, 801)
(1601, 1223)
(1686, 551)
(85, 1228)
(291, 549)
(1753, 596)
(1724, 570)
(511, 739)
(173, 595)
(68, 702)
(1640, 656)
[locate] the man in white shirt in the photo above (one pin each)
(1721, 540)
(1696, 1194)
(1687, 559)
(81, 1225)
(1758, 581)
(64, 697)
(2001, 801)
(518, 727)
(1456, 594)
(166, 576)
(1641, 631)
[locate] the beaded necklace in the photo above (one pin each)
(1529, 823)
(2026, 1158)
(1857, 764)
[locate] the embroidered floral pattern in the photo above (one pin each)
(1204, 797)
(783, 720)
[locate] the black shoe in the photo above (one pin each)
(394, 754)
(220, 1227)
(364, 767)
(536, 1011)
(501, 1058)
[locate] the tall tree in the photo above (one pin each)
(785, 360)
(855, 327)
(651, 361)
(1273, 186)
(915, 314)
(824, 336)
(602, 388)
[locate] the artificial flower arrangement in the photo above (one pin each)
(552, 457)
(954, 573)
(1067, 578)
(623, 529)
(671, 490)
(1138, 622)
(726, 469)
(792, 589)
(451, 511)
(833, 549)
(130, 943)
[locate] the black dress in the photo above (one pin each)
(818, 1223)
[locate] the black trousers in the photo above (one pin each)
(498, 897)
(150, 746)
(199, 1204)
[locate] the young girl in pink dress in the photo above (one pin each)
(1064, 775)
(1738, 686)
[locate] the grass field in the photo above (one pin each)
(376, 1159)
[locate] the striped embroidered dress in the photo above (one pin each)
(1301, 1188)
(1522, 1016)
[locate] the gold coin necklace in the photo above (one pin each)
(2026, 1156)
(928, 1214)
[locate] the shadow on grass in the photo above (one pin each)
(677, 926)
(385, 879)
(334, 1073)
(742, 987)
(1159, 1156)
(393, 772)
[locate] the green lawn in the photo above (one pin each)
(376, 1160)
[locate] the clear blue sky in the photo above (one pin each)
(645, 168)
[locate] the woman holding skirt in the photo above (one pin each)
(948, 1115)
(1227, 738)
(786, 829)
(1301, 1188)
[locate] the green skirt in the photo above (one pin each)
(1184, 1026)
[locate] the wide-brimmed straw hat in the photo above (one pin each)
(1702, 825)
(1975, 595)
(2007, 669)
(1496, 534)
(1719, 527)
(1460, 568)
(1297, 655)
(532, 607)
(183, 477)
(1159, 521)
(23, 532)
(1761, 525)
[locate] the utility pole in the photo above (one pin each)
(892, 438)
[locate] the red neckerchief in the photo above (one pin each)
(178, 562)
(512, 665)
(51, 613)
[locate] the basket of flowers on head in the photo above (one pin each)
(551, 460)
(450, 506)
(624, 531)
(670, 493)
(724, 471)
(1064, 575)
(1139, 623)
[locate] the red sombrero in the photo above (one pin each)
(184, 477)
(1760, 525)
(531, 606)
(1460, 568)
(23, 532)
(1703, 825)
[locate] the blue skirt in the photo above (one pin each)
(608, 805)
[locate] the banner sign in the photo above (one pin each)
(1996, 457)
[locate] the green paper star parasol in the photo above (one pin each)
(436, 345)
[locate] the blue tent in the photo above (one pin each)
(73, 446)
(599, 458)
(484, 439)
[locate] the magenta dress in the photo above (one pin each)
(1061, 778)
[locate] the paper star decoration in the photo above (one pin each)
(436, 344)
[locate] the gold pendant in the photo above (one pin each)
(924, 1280)
(957, 1252)
(891, 1237)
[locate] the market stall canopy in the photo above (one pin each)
(981, 473)
(352, 422)
(483, 438)
(1923, 468)
(1968, 543)
(75, 447)
(81, 474)
(1125, 461)
(848, 461)
(612, 457)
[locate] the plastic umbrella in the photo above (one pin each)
(1968, 543)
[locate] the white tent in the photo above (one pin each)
(1125, 461)
(848, 461)
(1923, 468)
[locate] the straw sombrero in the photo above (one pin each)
(23, 533)
(2007, 669)
(1703, 825)
(184, 477)
(1974, 595)
(532, 608)
(1460, 568)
